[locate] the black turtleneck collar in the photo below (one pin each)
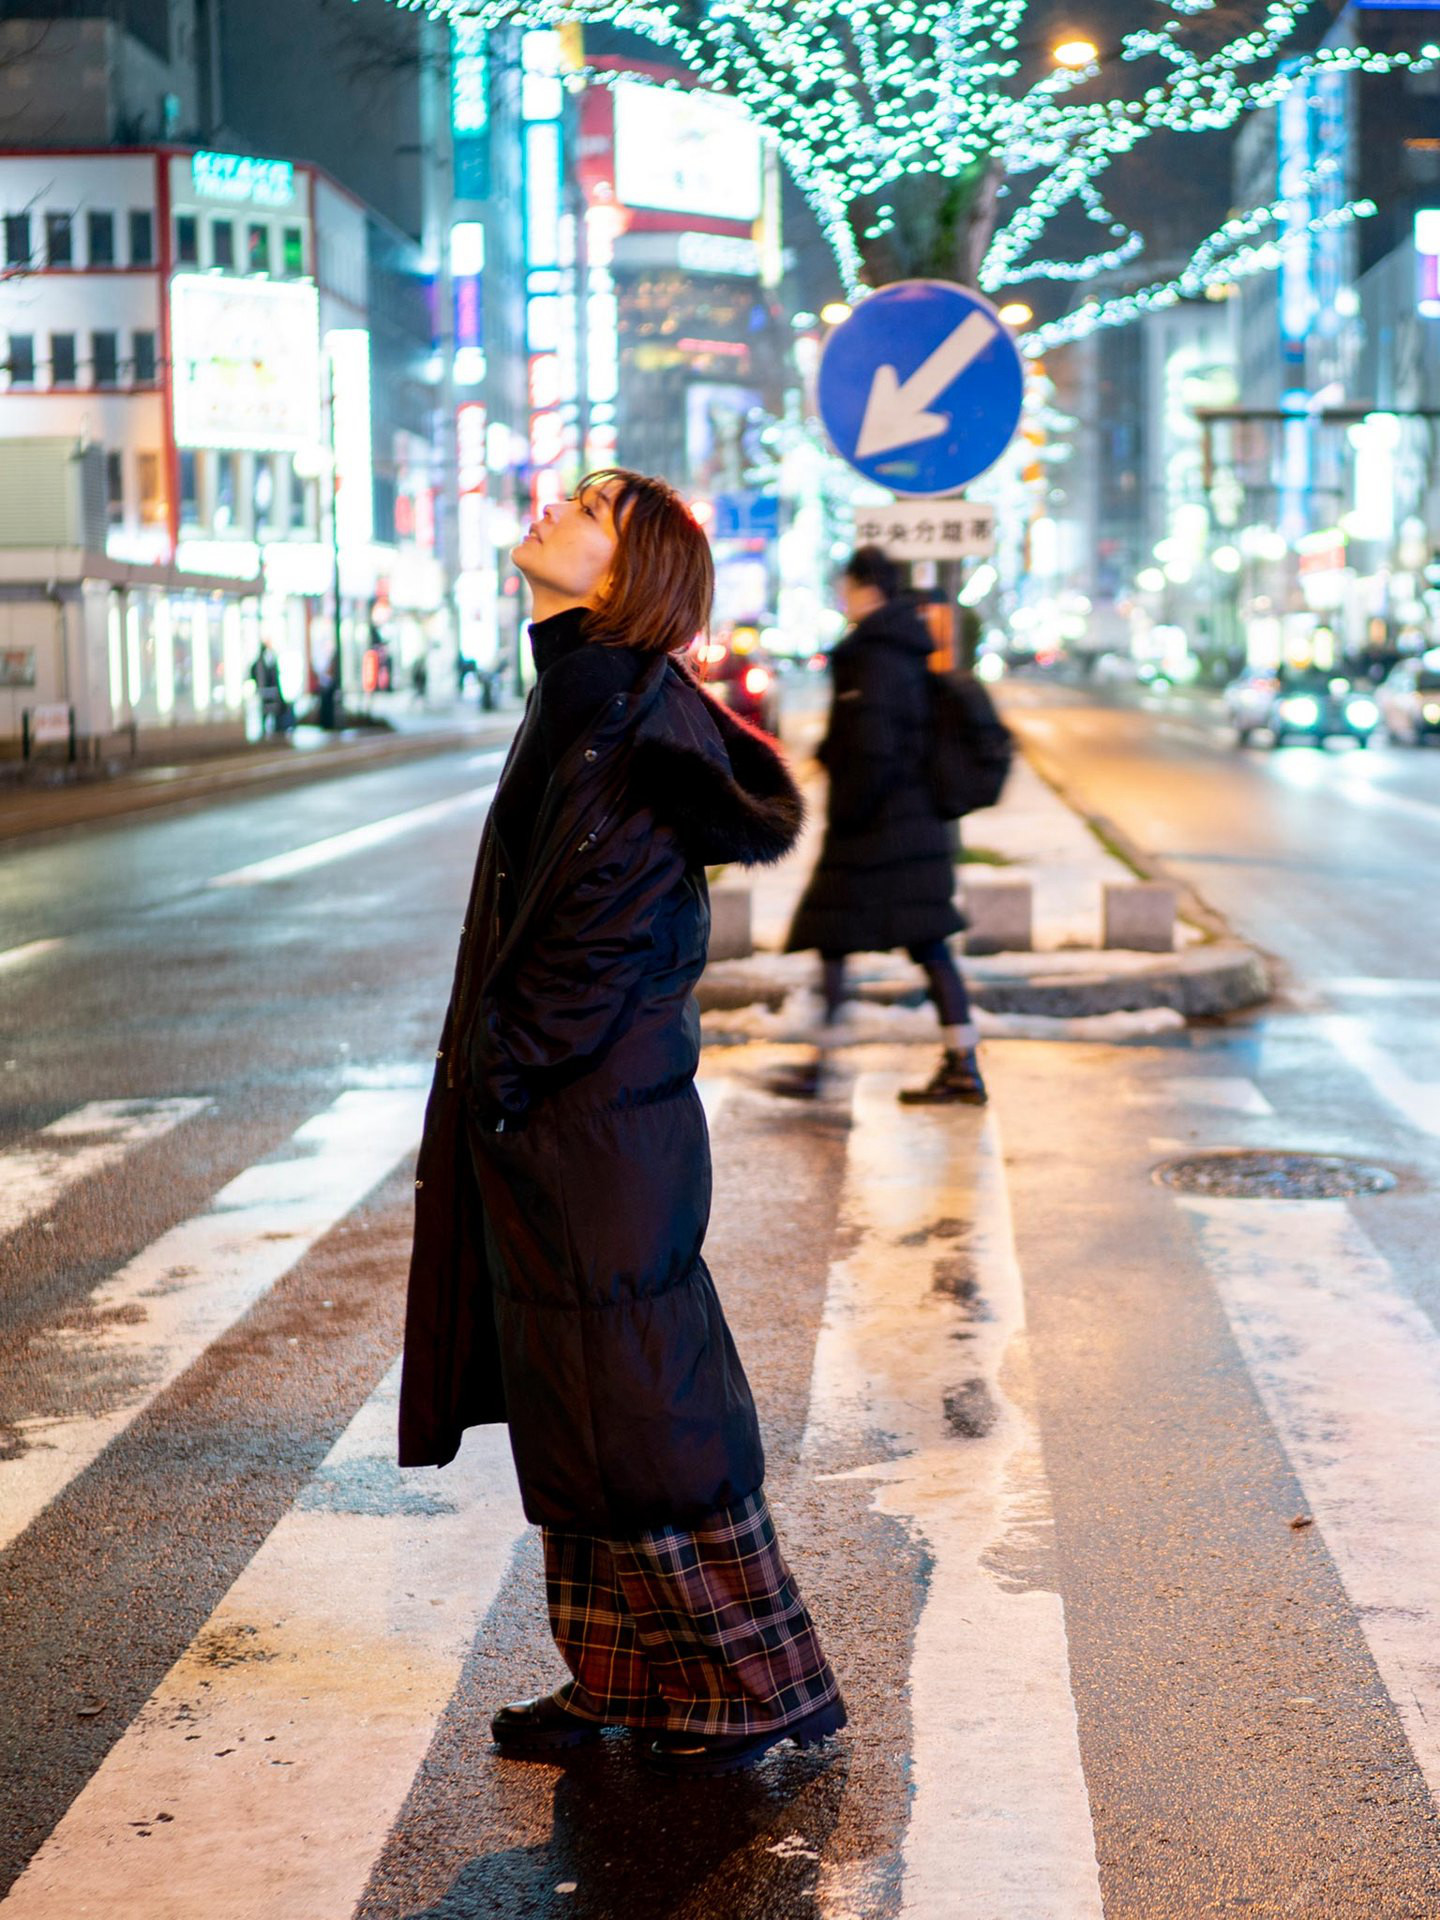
(552, 639)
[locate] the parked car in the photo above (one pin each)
(1300, 703)
(735, 666)
(1409, 699)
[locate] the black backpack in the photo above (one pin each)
(970, 746)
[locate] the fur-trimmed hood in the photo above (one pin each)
(718, 781)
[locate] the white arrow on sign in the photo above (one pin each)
(897, 415)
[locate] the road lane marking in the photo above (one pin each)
(340, 846)
(1375, 987)
(88, 1141)
(1221, 1092)
(153, 1318)
(1348, 1369)
(1000, 1817)
(32, 950)
(1417, 1100)
(714, 1091)
(283, 1769)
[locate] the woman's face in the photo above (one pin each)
(567, 553)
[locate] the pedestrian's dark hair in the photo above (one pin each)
(658, 595)
(873, 567)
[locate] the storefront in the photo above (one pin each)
(146, 659)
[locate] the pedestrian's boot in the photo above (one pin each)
(801, 1079)
(535, 1728)
(955, 1082)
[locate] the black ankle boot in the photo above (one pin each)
(955, 1082)
(801, 1079)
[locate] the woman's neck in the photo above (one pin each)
(545, 603)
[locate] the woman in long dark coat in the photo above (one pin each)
(557, 1281)
(886, 873)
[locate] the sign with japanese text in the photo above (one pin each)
(928, 529)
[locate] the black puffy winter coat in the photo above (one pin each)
(886, 873)
(557, 1281)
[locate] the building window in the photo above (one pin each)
(143, 364)
(187, 240)
(257, 241)
(142, 238)
(22, 360)
(100, 228)
(226, 491)
(105, 356)
(189, 490)
(152, 496)
(222, 243)
(62, 359)
(17, 239)
(115, 488)
(262, 495)
(294, 252)
(59, 240)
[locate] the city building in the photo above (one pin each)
(1330, 455)
(203, 319)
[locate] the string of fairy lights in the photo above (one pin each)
(860, 95)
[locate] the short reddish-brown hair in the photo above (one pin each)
(663, 578)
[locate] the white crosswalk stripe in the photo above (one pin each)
(286, 1737)
(90, 1140)
(1348, 1368)
(967, 1479)
(283, 1769)
(156, 1315)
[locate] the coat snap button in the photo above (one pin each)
(591, 754)
(439, 1053)
(418, 1185)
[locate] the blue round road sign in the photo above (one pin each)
(921, 388)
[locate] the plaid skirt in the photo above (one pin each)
(696, 1630)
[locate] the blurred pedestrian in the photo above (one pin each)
(886, 873)
(265, 673)
(419, 680)
(557, 1280)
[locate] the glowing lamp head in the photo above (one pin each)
(1075, 53)
(1015, 313)
(757, 679)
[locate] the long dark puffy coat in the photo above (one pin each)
(563, 1195)
(886, 873)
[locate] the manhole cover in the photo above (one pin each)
(1237, 1173)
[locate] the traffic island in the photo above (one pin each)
(1207, 982)
(1066, 925)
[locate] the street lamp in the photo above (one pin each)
(1016, 314)
(835, 312)
(1075, 54)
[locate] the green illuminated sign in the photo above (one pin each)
(240, 176)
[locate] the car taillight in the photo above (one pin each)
(757, 679)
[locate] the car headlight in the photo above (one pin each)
(1431, 711)
(1362, 714)
(1300, 711)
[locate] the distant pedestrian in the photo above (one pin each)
(419, 680)
(265, 673)
(557, 1280)
(886, 873)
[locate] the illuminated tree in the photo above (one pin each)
(939, 137)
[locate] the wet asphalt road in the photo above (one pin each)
(1232, 1714)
